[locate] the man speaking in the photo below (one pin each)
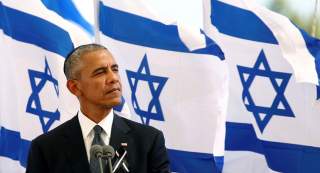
(78, 144)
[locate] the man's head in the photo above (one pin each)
(93, 76)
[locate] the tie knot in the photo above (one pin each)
(97, 130)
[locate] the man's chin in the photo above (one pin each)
(113, 103)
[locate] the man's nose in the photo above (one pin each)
(112, 77)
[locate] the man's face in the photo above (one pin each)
(99, 82)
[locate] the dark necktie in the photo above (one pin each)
(97, 140)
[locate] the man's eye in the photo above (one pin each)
(100, 72)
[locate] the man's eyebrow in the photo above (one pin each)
(114, 66)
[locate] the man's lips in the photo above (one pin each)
(113, 90)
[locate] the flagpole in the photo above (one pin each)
(96, 21)
(314, 19)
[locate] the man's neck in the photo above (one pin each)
(96, 115)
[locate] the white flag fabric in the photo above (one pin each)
(173, 80)
(273, 112)
(33, 97)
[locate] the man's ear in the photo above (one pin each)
(73, 87)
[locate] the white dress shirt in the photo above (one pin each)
(87, 129)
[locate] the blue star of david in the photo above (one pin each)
(34, 104)
(283, 79)
(155, 83)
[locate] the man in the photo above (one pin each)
(93, 77)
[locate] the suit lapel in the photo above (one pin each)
(76, 151)
(119, 132)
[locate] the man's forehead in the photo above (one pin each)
(101, 54)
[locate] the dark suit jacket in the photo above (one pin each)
(63, 150)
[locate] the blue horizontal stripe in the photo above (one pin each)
(134, 29)
(34, 30)
(240, 23)
(69, 11)
(282, 157)
(13, 146)
(191, 162)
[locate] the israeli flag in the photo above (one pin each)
(173, 78)
(33, 98)
(273, 112)
(68, 10)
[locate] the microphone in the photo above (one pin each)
(96, 151)
(108, 153)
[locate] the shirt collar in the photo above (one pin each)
(87, 125)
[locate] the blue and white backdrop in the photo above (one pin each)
(174, 78)
(34, 38)
(273, 109)
(239, 96)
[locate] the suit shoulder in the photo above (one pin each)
(55, 133)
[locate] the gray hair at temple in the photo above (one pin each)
(72, 62)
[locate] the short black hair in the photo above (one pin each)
(73, 59)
